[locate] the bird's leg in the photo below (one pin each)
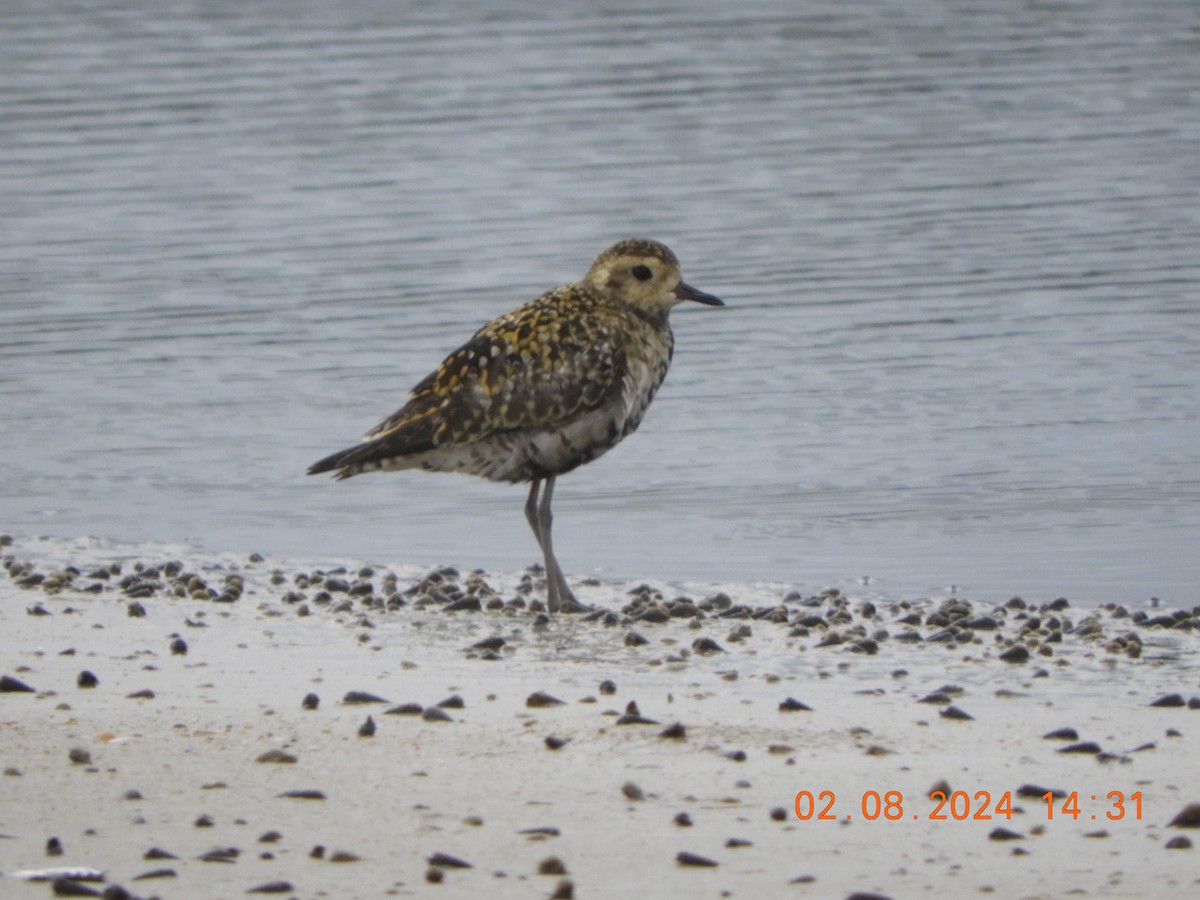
(532, 517)
(559, 595)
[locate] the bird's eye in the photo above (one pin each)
(642, 273)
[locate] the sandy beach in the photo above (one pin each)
(183, 726)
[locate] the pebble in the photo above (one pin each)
(272, 887)
(354, 698)
(10, 685)
(1081, 747)
(791, 704)
(446, 861)
(551, 865)
(1170, 701)
(953, 712)
(1188, 817)
(686, 858)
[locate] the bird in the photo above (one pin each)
(541, 390)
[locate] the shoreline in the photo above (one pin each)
(914, 696)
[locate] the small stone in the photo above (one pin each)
(406, 709)
(779, 814)
(553, 742)
(10, 685)
(551, 865)
(635, 719)
(1004, 834)
(633, 639)
(684, 858)
(221, 855)
(179, 647)
(683, 820)
(275, 756)
(675, 732)
(632, 791)
(66, 887)
(79, 756)
(791, 704)
(1170, 701)
(310, 701)
(304, 794)
(937, 697)
(1188, 817)
(608, 687)
(706, 646)
(953, 712)
(367, 728)
(54, 847)
(1017, 653)
(433, 714)
(344, 856)
(540, 699)
(446, 861)
(564, 890)
(1061, 734)
(1082, 747)
(1036, 792)
(156, 873)
(87, 680)
(1179, 842)
(272, 887)
(355, 698)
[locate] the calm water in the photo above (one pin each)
(960, 243)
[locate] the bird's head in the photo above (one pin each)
(643, 274)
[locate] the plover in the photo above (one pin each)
(542, 389)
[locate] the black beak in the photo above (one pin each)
(687, 292)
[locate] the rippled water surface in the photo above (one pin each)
(959, 244)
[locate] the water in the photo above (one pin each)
(958, 242)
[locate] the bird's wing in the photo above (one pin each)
(537, 366)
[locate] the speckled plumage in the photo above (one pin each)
(542, 389)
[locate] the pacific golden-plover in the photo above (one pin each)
(541, 390)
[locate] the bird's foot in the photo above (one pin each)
(560, 598)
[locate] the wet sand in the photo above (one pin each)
(193, 769)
